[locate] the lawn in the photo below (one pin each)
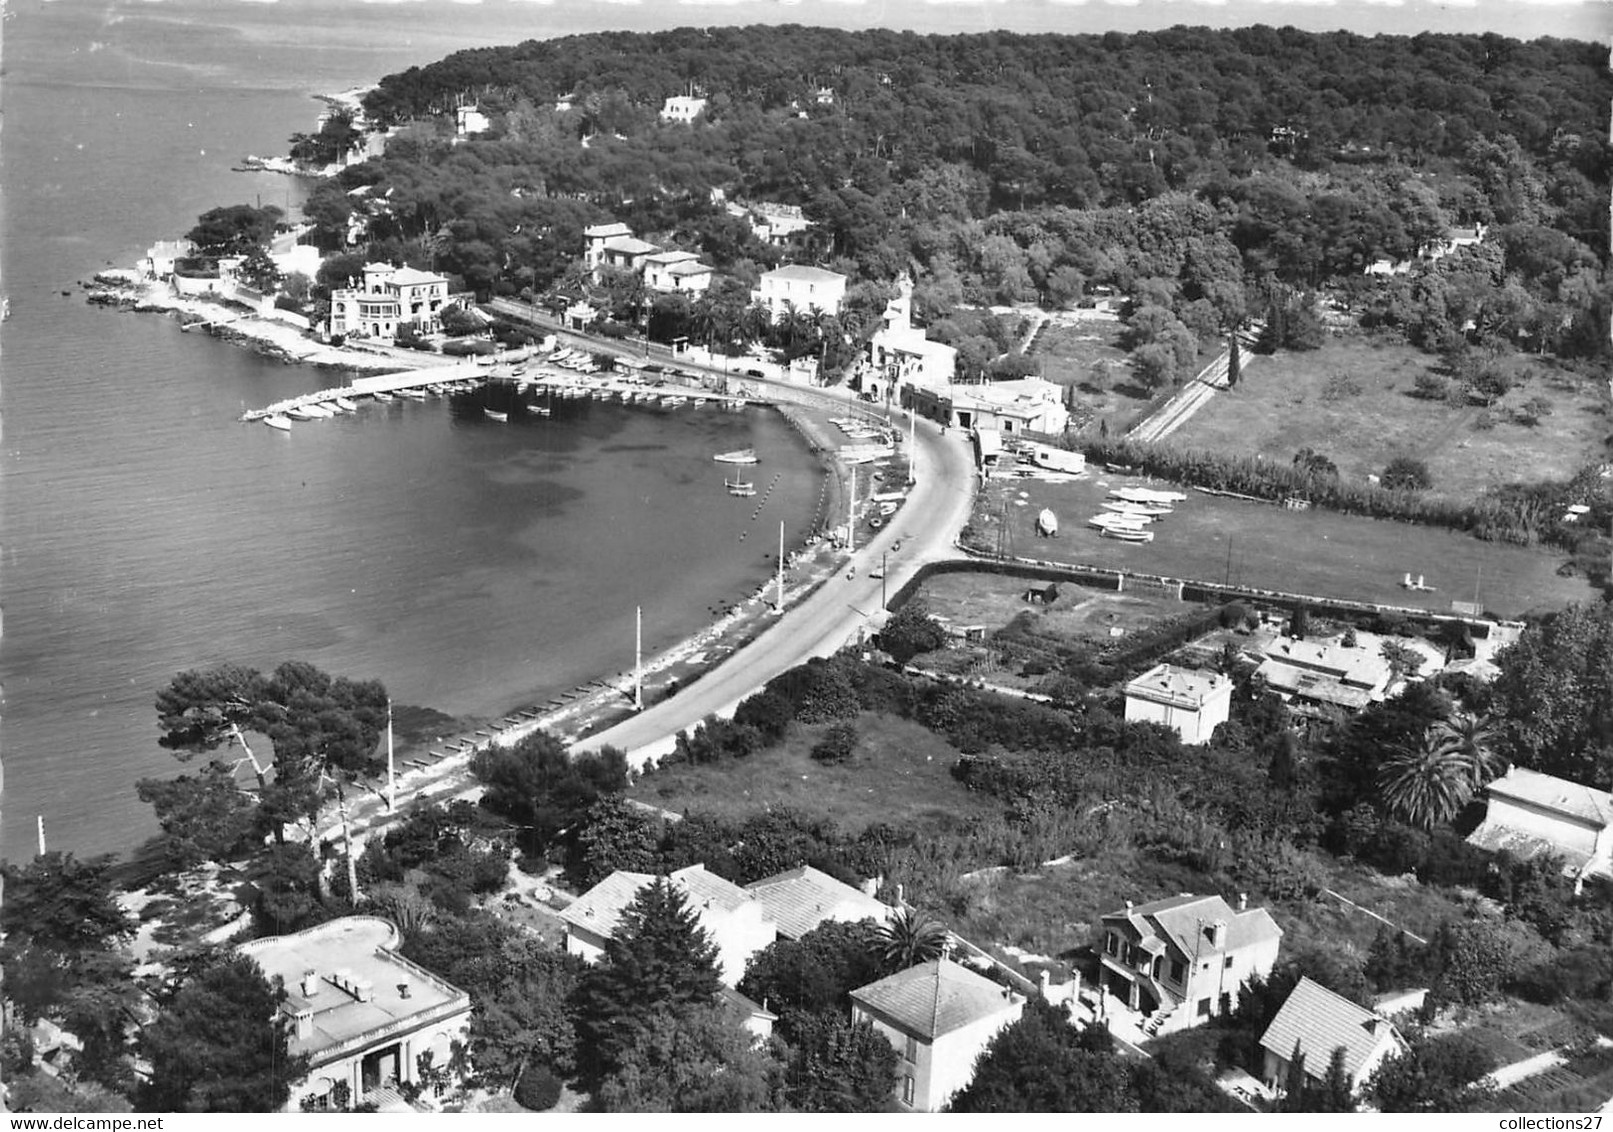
(1085, 354)
(1079, 614)
(900, 772)
(1352, 402)
(1325, 553)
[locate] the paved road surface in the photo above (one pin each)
(927, 526)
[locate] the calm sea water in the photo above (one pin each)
(471, 567)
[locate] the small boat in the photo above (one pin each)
(319, 412)
(700, 402)
(412, 394)
(346, 405)
(495, 415)
(672, 402)
(1137, 510)
(300, 413)
(279, 421)
(1047, 523)
(1127, 534)
(1110, 521)
(737, 456)
(739, 487)
(539, 410)
(384, 398)
(1147, 495)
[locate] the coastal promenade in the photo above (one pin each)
(838, 612)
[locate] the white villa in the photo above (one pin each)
(682, 109)
(391, 297)
(363, 1014)
(901, 355)
(807, 288)
(1192, 702)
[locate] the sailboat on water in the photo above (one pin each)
(737, 486)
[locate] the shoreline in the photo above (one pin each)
(438, 768)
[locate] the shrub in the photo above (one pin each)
(1431, 387)
(1407, 473)
(837, 745)
(538, 1090)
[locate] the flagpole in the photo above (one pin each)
(638, 661)
(391, 766)
(851, 514)
(781, 566)
(41, 835)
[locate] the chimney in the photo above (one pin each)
(1043, 981)
(1217, 932)
(310, 984)
(403, 990)
(1243, 901)
(303, 1024)
(1128, 905)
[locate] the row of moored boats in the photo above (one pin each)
(349, 402)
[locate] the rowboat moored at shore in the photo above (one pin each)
(278, 421)
(737, 456)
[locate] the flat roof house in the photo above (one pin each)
(1315, 676)
(938, 1017)
(1314, 1022)
(1181, 960)
(736, 922)
(1529, 814)
(682, 109)
(1192, 702)
(362, 1013)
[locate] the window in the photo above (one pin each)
(1178, 971)
(1113, 944)
(1204, 1008)
(907, 1090)
(1226, 963)
(911, 1053)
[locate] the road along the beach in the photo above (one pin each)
(835, 614)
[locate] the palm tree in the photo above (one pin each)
(909, 938)
(1402, 659)
(1474, 736)
(1428, 782)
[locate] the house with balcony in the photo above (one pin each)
(365, 1016)
(390, 298)
(806, 289)
(938, 1016)
(1312, 1024)
(1192, 702)
(1529, 814)
(737, 923)
(1181, 960)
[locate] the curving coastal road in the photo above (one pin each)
(831, 616)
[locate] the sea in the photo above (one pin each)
(473, 567)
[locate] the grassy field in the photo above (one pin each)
(1079, 614)
(900, 770)
(1215, 539)
(1085, 355)
(1352, 402)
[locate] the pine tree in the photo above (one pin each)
(658, 961)
(1234, 361)
(220, 1043)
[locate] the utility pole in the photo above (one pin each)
(638, 662)
(780, 606)
(884, 559)
(41, 824)
(851, 514)
(912, 441)
(391, 770)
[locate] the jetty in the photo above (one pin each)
(554, 382)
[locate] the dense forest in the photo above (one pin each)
(1229, 164)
